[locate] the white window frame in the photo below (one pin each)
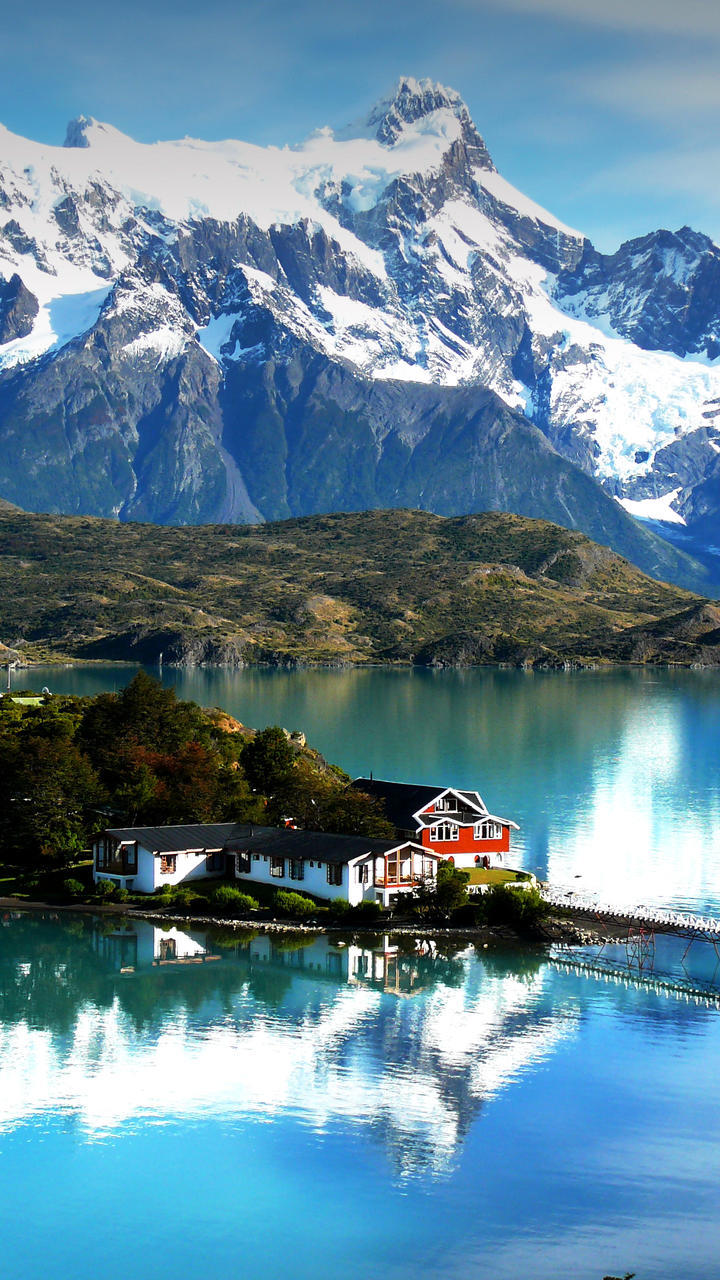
(488, 829)
(445, 827)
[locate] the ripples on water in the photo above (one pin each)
(357, 1109)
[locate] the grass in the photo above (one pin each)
(32, 884)
(494, 875)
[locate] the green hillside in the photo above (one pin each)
(380, 586)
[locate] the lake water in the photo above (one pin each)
(175, 1102)
(613, 776)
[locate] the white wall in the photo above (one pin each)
(466, 861)
(188, 866)
(315, 881)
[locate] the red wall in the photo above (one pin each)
(466, 843)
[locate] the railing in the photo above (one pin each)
(657, 918)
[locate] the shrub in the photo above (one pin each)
(121, 895)
(338, 906)
(105, 889)
(232, 901)
(73, 888)
(520, 909)
(293, 904)
(367, 910)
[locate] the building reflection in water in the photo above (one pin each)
(403, 1040)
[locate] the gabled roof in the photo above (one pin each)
(431, 819)
(405, 802)
(471, 798)
(179, 839)
(285, 842)
(402, 799)
(280, 841)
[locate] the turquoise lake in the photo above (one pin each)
(176, 1102)
(613, 775)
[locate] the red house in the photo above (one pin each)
(455, 824)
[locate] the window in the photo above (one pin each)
(363, 873)
(215, 861)
(242, 862)
(277, 867)
(297, 869)
(256, 857)
(443, 804)
(445, 831)
(168, 863)
(488, 830)
(334, 873)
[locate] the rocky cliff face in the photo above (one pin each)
(195, 332)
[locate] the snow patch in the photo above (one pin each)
(503, 191)
(654, 508)
(59, 320)
(166, 343)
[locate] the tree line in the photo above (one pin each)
(71, 766)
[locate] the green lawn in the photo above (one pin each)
(21, 882)
(495, 875)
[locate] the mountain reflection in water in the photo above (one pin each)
(117, 1023)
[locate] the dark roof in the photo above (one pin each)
(229, 836)
(201, 835)
(284, 842)
(402, 799)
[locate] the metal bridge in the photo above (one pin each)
(651, 919)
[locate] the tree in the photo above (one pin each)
(267, 760)
(48, 790)
(353, 813)
(442, 896)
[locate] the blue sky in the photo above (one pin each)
(606, 111)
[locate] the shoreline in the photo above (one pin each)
(574, 927)
(571, 665)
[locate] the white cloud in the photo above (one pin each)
(665, 90)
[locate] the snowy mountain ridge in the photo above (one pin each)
(394, 252)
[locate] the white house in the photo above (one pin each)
(144, 859)
(358, 868)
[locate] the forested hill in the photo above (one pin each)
(381, 586)
(70, 766)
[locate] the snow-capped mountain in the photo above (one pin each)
(218, 331)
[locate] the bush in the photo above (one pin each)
(293, 904)
(73, 888)
(367, 910)
(227, 899)
(105, 890)
(338, 907)
(519, 909)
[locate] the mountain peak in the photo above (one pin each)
(410, 101)
(86, 131)
(413, 101)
